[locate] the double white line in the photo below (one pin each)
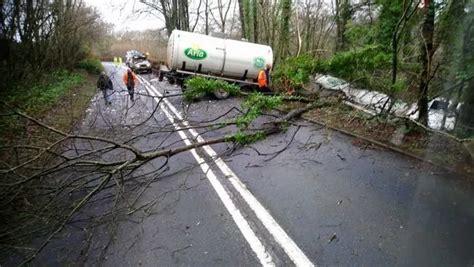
(280, 236)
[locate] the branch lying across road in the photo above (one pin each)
(272, 127)
(89, 170)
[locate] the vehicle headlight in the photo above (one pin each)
(148, 64)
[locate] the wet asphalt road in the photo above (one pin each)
(341, 204)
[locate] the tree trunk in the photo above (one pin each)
(174, 15)
(466, 116)
(298, 32)
(207, 16)
(343, 15)
(255, 21)
(248, 19)
(184, 15)
(426, 55)
(284, 29)
(307, 27)
(273, 21)
(265, 28)
(243, 26)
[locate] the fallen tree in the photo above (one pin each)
(45, 186)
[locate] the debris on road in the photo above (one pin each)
(253, 166)
(314, 146)
(333, 237)
(179, 250)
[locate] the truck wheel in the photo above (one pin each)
(221, 94)
(171, 80)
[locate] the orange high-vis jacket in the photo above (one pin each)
(125, 78)
(262, 79)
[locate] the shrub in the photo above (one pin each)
(349, 65)
(294, 72)
(91, 65)
(367, 67)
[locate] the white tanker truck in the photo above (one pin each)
(190, 54)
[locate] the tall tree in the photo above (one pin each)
(466, 117)
(38, 36)
(174, 12)
(265, 37)
(184, 15)
(449, 38)
(255, 20)
(284, 41)
(223, 11)
(243, 24)
(343, 15)
(426, 56)
(206, 14)
(248, 19)
(392, 25)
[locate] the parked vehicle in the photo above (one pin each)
(137, 61)
(190, 54)
(129, 55)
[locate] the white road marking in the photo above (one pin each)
(280, 236)
(243, 225)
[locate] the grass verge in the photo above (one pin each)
(59, 100)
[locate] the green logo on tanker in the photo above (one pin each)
(195, 53)
(259, 62)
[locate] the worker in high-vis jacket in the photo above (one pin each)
(130, 80)
(264, 79)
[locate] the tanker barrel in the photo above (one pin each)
(209, 54)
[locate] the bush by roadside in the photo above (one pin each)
(91, 65)
(292, 73)
(367, 67)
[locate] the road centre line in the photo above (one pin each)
(281, 237)
(243, 225)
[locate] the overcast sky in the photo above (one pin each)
(124, 14)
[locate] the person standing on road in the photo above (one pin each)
(264, 79)
(104, 83)
(130, 80)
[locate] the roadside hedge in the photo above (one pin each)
(91, 65)
(366, 66)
